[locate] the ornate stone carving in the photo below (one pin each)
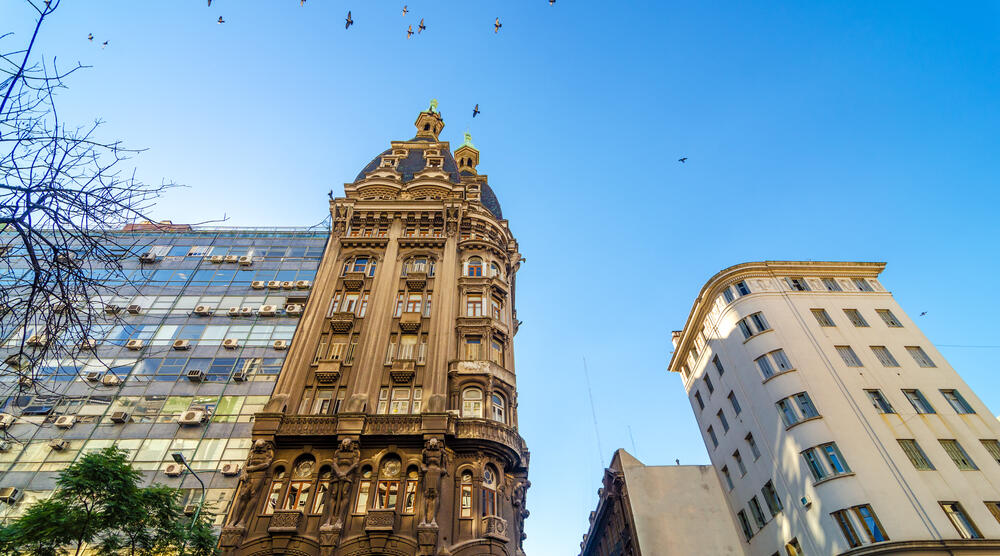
(517, 499)
(410, 322)
(495, 527)
(343, 321)
(251, 483)
(328, 376)
(380, 520)
(338, 497)
(284, 521)
(354, 281)
(230, 536)
(392, 424)
(433, 468)
(415, 281)
(489, 430)
(307, 425)
(402, 376)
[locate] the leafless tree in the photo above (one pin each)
(64, 191)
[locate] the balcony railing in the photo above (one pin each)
(406, 352)
(480, 352)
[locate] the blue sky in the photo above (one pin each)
(840, 131)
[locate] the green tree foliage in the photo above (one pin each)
(99, 505)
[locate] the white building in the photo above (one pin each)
(834, 424)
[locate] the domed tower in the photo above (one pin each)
(392, 428)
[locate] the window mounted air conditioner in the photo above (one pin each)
(120, 417)
(37, 340)
(173, 470)
(293, 309)
(6, 420)
(273, 285)
(66, 421)
(147, 258)
(26, 382)
(112, 309)
(134, 345)
(192, 417)
(134, 309)
(258, 284)
(230, 343)
(246, 260)
(190, 509)
(89, 344)
(203, 310)
(59, 308)
(109, 379)
(10, 495)
(93, 376)
(234, 311)
(182, 344)
(230, 469)
(232, 258)
(196, 375)
(240, 376)
(246, 311)
(280, 345)
(288, 285)
(267, 310)
(303, 284)
(4, 445)
(218, 259)
(58, 444)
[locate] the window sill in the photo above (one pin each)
(832, 477)
(797, 423)
(762, 332)
(770, 378)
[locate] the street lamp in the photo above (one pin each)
(179, 458)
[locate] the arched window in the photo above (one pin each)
(410, 493)
(466, 495)
(475, 267)
(362, 263)
(277, 482)
(499, 408)
(489, 500)
(322, 487)
(388, 483)
(364, 489)
(472, 402)
(494, 270)
(300, 485)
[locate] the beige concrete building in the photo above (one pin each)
(393, 425)
(659, 510)
(833, 423)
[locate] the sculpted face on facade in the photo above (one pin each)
(394, 420)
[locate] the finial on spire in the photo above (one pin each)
(468, 140)
(434, 105)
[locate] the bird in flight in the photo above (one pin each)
(475, 111)
(348, 22)
(405, 10)
(497, 25)
(105, 45)
(409, 31)
(924, 313)
(421, 27)
(90, 37)
(682, 159)
(221, 21)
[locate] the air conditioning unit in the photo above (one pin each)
(88, 344)
(93, 376)
(59, 308)
(112, 309)
(267, 310)
(203, 310)
(218, 259)
(58, 444)
(196, 375)
(26, 382)
(134, 345)
(240, 376)
(246, 311)
(303, 284)
(232, 258)
(258, 284)
(273, 285)
(280, 344)
(120, 417)
(230, 343)
(287, 285)
(230, 469)
(293, 309)
(109, 379)
(66, 421)
(6, 420)
(192, 417)
(182, 344)
(147, 258)
(134, 309)
(37, 340)
(190, 509)
(234, 311)
(805, 501)
(246, 260)
(173, 470)
(4, 445)
(10, 495)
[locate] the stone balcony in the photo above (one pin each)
(354, 281)
(380, 520)
(410, 322)
(284, 521)
(327, 371)
(495, 527)
(342, 321)
(467, 368)
(416, 281)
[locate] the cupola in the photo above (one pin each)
(467, 156)
(429, 123)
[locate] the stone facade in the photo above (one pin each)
(393, 426)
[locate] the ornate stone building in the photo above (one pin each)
(393, 426)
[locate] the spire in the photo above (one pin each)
(467, 155)
(429, 122)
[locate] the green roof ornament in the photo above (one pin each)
(468, 140)
(434, 105)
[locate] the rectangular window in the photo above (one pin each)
(822, 317)
(753, 325)
(862, 285)
(870, 523)
(814, 464)
(744, 525)
(753, 446)
(780, 360)
(764, 364)
(413, 302)
(722, 419)
(474, 305)
(757, 513)
(739, 462)
(745, 329)
(466, 501)
(718, 365)
(832, 285)
(727, 294)
(725, 475)
(834, 459)
(798, 284)
(879, 401)
(742, 288)
(884, 356)
(400, 299)
(920, 356)
(918, 401)
(856, 319)
(697, 397)
(962, 522)
(771, 498)
(735, 403)
(915, 454)
(993, 447)
(709, 385)
(957, 402)
(958, 455)
(759, 322)
(788, 415)
(843, 519)
(847, 354)
(363, 306)
(888, 318)
(806, 407)
(711, 434)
